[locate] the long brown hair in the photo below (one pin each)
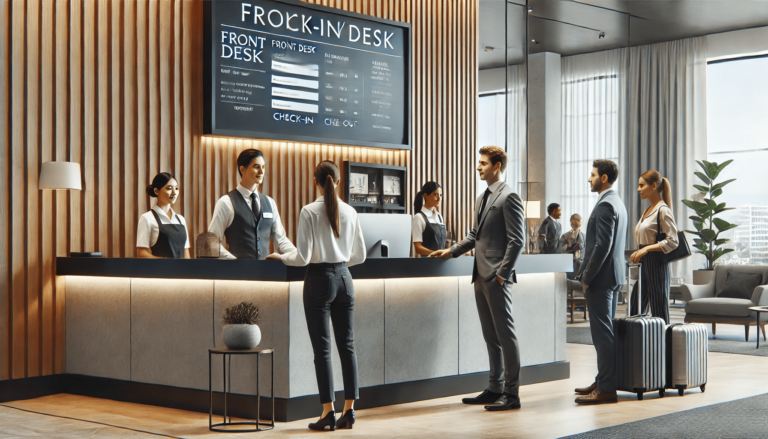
(662, 185)
(327, 173)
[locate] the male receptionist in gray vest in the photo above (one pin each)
(247, 218)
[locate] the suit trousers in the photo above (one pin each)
(329, 295)
(494, 307)
(601, 302)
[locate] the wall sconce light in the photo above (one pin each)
(60, 176)
(532, 209)
(489, 48)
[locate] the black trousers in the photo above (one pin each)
(329, 295)
(656, 279)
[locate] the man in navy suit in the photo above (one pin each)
(602, 275)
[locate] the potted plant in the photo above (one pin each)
(708, 226)
(240, 326)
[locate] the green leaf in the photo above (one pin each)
(702, 247)
(712, 204)
(711, 169)
(692, 232)
(720, 206)
(719, 168)
(702, 177)
(720, 252)
(697, 241)
(699, 226)
(723, 210)
(723, 225)
(717, 193)
(721, 185)
(696, 218)
(702, 189)
(695, 205)
(705, 253)
(721, 241)
(705, 216)
(708, 235)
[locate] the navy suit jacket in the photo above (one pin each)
(604, 262)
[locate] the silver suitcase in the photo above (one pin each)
(640, 347)
(686, 356)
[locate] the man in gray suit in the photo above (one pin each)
(498, 239)
(602, 275)
(550, 230)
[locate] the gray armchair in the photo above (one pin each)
(703, 305)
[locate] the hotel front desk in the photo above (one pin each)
(140, 329)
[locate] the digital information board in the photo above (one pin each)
(292, 71)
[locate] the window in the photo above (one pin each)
(490, 131)
(737, 129)
(590, 130)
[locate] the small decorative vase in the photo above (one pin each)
(241, 337)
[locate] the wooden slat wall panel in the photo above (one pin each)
(6, 291)
(117, 87)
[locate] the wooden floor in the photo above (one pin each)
(548, 408)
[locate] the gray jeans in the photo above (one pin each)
(494, 307)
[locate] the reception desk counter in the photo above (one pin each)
(140, 329)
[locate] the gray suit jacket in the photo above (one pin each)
(499, 237)
(604, 264)
(550, 244)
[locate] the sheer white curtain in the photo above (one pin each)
(491, 125)
(643, 107)
(594, 123)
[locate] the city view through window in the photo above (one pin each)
(737, 129)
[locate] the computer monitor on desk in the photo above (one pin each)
(393, 230)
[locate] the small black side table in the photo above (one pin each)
(222, 426)
(758, 310)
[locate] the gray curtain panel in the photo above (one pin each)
(645, 108)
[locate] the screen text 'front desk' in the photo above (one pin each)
(140, 329)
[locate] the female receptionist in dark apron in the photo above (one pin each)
(161, 232)
(428, 231)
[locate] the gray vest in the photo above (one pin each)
(248, 236)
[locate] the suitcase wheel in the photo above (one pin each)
(703, 387)
(680, 391)
(639, 396)
(661, 393)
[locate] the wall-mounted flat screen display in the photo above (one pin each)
(292, 71)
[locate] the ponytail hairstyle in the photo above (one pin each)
(158, 182)
(326, 174)
(662, 185)
(427, 189)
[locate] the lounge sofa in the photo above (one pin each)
(703, 306)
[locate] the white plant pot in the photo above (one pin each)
(241, 337)
(703, 277)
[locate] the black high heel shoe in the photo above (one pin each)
(347, 420)
(328, 421)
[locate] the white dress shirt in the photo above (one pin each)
(224, 214)
(418, 224)
(148, 229)
(317, 243)
(647, 228)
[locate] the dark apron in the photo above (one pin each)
(433, 237)
(170, 239)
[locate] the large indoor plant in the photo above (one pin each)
(240, 326)
(708, 226)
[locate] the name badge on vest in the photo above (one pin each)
(267, 215)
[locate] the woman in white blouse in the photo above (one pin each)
(656, 233)
(329, 240)
(428, 228)
(161, 233)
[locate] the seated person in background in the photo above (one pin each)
(549, 232)
(572, 242)
(428, 230)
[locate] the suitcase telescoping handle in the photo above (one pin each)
(639, 290)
